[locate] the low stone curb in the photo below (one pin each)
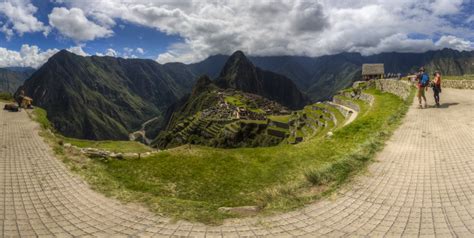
(104, 154)
(459, 84)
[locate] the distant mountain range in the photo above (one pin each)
(13, 77)
(321, 77)
(107, 98)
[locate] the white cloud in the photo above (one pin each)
(77, 50)
(73, 23)
(454, 42)
(446, 7)
(20, 18)
(111, 52)
(284, 27)
(28, 56)
(277, 27)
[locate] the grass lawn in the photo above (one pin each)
(463, 77)
(192, 182)
(281, 118)
(236, 100)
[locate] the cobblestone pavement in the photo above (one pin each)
(421, 185)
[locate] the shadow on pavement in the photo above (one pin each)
(446, 105)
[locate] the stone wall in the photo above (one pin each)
(368, 98)
(346, 103)
(460, 84)
(342, 110)
(398, 87)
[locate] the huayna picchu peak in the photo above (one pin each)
(240, 73)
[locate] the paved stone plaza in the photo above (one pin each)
(422, 184)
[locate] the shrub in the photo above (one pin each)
(6, 96)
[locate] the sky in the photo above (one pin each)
(185, 31)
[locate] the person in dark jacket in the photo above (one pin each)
(436, 85)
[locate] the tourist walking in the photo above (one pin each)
(422, 85)
(436, 85)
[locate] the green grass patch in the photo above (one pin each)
(41, 116)
(238, 101)
(192, 182)
(280, 118)
(6, 97)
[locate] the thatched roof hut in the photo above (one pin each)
(372, 71)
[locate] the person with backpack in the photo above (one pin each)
(422, 85)
(436, 85)
(19, 98)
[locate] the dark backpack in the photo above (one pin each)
(11, 107)
(424, 80)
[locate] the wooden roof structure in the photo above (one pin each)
(373, 69)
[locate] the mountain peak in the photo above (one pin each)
(238, 53)
(238, 68)
(238, 57)
(63, 54)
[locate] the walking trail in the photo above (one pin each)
(422, 184)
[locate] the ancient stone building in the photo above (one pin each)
(372, 71)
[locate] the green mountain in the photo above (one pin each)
(12, 78)
(232, 110)
(321, 77)
(240, 73)
(215, 116)
(105, 97)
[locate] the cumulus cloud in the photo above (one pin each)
(28, 56)
(111, 52)
(284, 27)
(32, 55)
(20, 18)
(446, 7)
(263, 28)
(74, 24)
(454, 42)
(77, 50)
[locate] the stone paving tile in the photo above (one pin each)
(422, 185)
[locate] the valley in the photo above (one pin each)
(229, 141)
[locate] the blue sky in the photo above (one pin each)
(188, 31)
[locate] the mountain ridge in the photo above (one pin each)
(103, 97)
